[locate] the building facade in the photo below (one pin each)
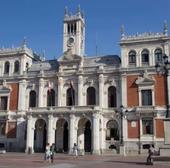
(102, 103)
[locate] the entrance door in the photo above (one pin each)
(87, 137)
(65, 137)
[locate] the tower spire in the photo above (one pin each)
(79, 10)
(66, 11)
(122, 31)
(165, 28)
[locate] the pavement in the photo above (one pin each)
(22, 160)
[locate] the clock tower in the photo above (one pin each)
(74, 32)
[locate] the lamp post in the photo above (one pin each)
(165, 69)
(122, 113)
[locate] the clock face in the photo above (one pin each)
(70, 41)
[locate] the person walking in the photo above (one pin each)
(47, 153)
(75, 151)
(52, 150)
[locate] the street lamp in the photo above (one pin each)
(122, 113)
(165, 68)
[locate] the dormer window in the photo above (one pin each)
(6, 68)
(158, 55)
(145, 57)
(16, 67)
(132, 57)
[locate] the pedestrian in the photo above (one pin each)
(151, 152)
(47, 153)
(75, 151)
(52, 150)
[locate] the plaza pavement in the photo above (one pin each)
(22, 160)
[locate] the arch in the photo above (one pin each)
(40, 135)
(16, 67)
(6, 67)
(112, 97)
(132, 57)
(70, 97)
(112, 130)
(145, 57)
(32, 99)
(51, 97)
(158, 55)
(91, 96)
(61, 135)
(84, 135)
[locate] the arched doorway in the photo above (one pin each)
(61, 136)
(84, 135)
(40, 134)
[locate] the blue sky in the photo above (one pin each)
(41, 22)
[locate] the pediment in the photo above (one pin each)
(4, 89)
(145, 80)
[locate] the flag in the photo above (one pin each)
(49, 86)
(71, 84)
(72, 92)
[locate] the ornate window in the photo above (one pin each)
(70, 97)
(145, 57)
(3, 102)
(112, 132)
(112, 101)
(91, 96)
(16, 67)
(132, 57)
(32, 100)
(146, 97)
(158, 55)
(6, 68)
(51, 98)
(147, 126)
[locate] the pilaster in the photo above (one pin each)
(72, 135)
(60, 88)
(51, 131)
(40, 94)
(30, 136)
(80, 90)
(96, 144)
(101, 86)
(21, 99)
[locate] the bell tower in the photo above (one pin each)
(74, 32)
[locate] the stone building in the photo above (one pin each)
(103, 103)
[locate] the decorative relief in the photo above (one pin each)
(90, 82)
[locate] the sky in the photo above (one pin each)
(41, 23)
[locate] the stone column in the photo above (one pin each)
(40, 95)
(30, 136)
(21, 124)
(101, 86)
(102, 135)
(123, 91)
(51, 131)
(96, 145)
(60, 88)
(72, 135)
(21, 99)
(80, 90)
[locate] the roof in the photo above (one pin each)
(107, 60)
(49, 65)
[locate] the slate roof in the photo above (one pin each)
(48, 65)
(107, 60)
